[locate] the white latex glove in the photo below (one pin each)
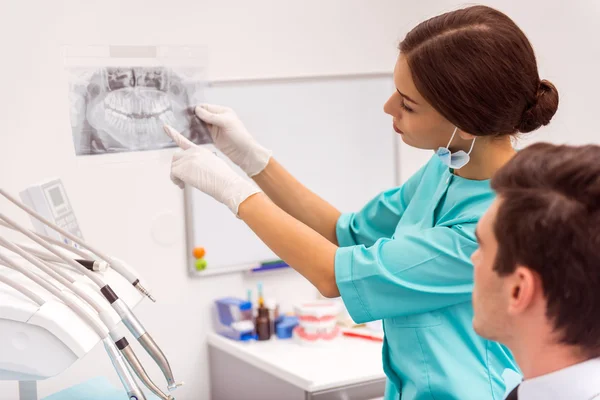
(231, 137)
(202, 169)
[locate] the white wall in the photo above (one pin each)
(565, 37)
(117, 202)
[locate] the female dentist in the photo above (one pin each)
(466, 81)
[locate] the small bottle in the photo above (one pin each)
(263, 324)
(271, 305)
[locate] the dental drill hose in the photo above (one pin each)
(117, 266)
(37, 239)
(92, 265)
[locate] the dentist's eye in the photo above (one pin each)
(406, 108)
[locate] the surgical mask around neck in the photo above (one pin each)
(455, 160)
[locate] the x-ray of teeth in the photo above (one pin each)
(121, 109)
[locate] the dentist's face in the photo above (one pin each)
(417, 122)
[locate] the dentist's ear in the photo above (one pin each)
(465, 135)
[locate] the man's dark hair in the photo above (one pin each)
(549, 221)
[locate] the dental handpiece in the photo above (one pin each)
(129, 319)
(119, 340)
(133, 391)
(115, 264)
(129, 383)
(139, 332)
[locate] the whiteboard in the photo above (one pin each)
(330, 133)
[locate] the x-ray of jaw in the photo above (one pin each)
(121, 109)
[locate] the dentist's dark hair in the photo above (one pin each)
(478, 69)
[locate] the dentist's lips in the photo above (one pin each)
(397, 130)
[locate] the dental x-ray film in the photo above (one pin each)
(124, 108)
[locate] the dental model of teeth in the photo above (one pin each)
(317, 322)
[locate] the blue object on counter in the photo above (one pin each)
(279, 319)
(233, 318)
(285, 327)
(98, 388)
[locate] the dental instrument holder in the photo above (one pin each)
(233, 318)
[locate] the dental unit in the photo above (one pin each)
(60, 266)
(131, 387)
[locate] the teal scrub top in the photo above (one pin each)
(405, 259)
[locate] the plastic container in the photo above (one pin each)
(284, 329)
(232, 318)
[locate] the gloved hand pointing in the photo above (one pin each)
(199, 167)
(231, 137)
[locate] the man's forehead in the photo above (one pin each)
(489, 217)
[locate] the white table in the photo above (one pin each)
(282, 369)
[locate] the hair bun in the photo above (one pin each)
(541, 112)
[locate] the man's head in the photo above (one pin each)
(537, 270)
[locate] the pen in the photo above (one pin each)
(362, 336)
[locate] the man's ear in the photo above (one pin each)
(522, 289)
